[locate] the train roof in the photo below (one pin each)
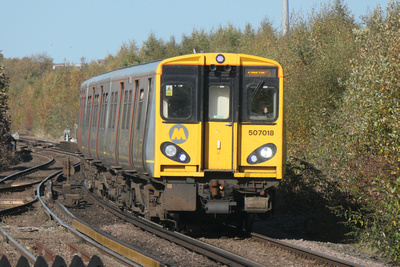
(139, 70)
(150, 68)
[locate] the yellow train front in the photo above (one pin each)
(211, 139)
(219, 132)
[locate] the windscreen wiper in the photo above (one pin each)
(258, 87)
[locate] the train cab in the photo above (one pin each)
(220, 120)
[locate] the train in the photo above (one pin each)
(193, 136)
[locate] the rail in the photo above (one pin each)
(195, 245)
(303, 252)
(52, 215)
(29, 170)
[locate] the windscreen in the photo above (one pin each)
(261, 94)
(262, 102)
(177, 101)
(179, 86)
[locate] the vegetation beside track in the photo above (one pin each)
(342, 93)
(5, 153)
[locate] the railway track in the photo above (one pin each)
(195, 245)
(12, 183)
(19, 236)
(44, 196)
(5, 182)
(58, 213)
(53, 215)
(218, 254)
(7, 185)
(319, 258)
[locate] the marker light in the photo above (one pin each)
(182, 157)
(253, 158)
(220, 58)
(170, 150)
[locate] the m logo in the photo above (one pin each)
(178, 134)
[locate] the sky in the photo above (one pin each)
(67, 30)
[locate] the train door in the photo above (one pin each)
(220, 137)
(81, 118)
(118, 122)
(140, 123)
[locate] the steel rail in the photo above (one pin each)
(18, 207)
(24, 252)
(305, 253)
(10, 188)
(52, 215)
(113, 243)
(29, 170)
(195, 245)
(18, 247)
(33, 141)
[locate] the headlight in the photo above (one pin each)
(174, 152)
(266, 152)
(170, 151)
(262, 154)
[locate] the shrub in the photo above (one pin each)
(371, 106)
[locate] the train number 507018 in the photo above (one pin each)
(261, 132)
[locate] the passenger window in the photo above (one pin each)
(219, 102)
(140, 108)
(88, 109)
(177, 101)
(129, 110)
(125, 110)
(262, 102)
(104, 101)
(95, 110)
(113, 110)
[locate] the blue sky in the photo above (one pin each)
(70, 29)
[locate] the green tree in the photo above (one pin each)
(172, 48)
(199, 40)
(316, 55)
(127, 55)
(227, 40)
(152, 49)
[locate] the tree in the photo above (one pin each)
(152, 49)
(4, 118)
(127, 55)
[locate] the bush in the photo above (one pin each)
(316, 55)
(371, 106)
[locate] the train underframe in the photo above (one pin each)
(177, 201)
